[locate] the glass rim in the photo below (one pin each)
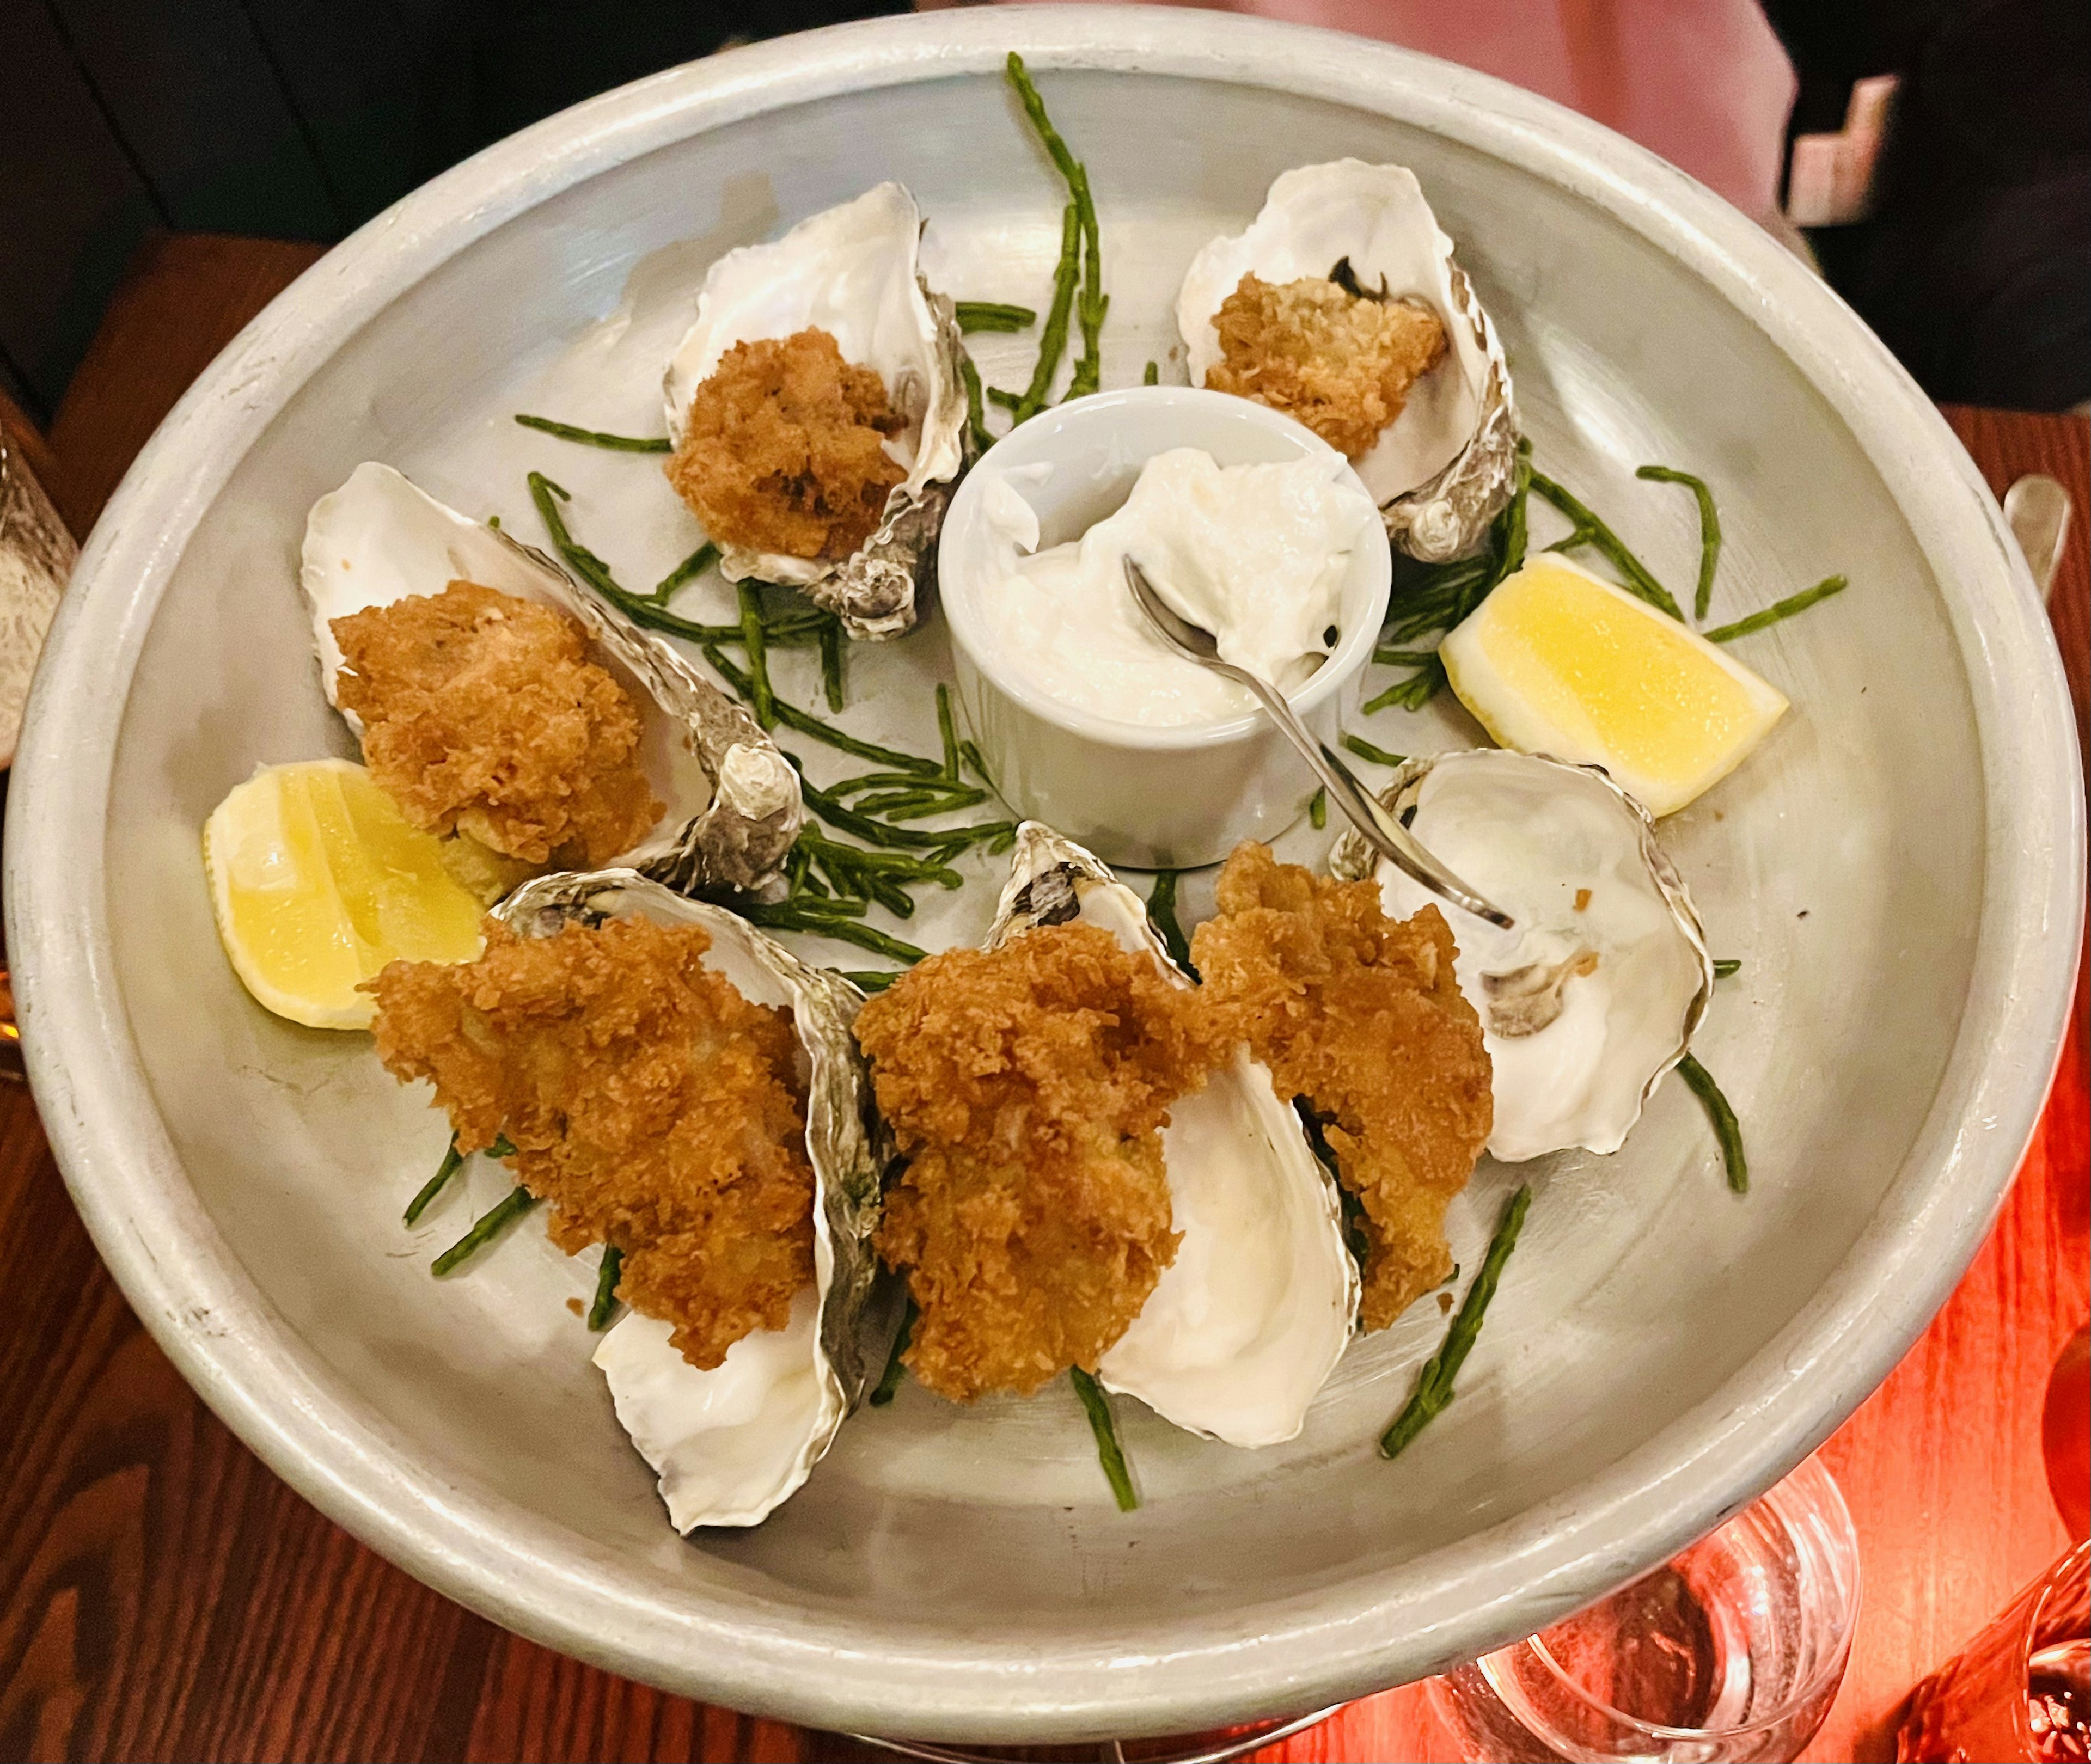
(2075, 1560)
(1820, 1497)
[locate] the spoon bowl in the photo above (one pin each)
(1381, 831)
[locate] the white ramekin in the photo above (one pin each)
(1149, 797)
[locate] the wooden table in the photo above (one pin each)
(163, 1595)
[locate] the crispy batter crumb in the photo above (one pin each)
(1361, 1015)
(781, 449)
(1341, 365)
(1029, 1085)
(482, 712)
(652, 1104)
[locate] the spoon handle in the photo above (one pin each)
(1386, 835)
(1381, 831)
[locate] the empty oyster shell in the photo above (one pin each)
(731, 1443)
(1446, 466)
(1246, 1324)
(1597, 992)
(850, 271)
(734, 807)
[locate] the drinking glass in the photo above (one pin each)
(2020, 1692)
(36, 555)
(1732, 1652)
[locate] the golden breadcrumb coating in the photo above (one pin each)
(652, 1104)
(482, 712)
(1359, 1014)
(1339, 363)
(1028, 1086)
(780, 451)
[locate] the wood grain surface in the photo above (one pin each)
(163, 1595)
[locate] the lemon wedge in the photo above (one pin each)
(1559, 661)
(316, 881)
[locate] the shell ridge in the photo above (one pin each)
(1445, 514)
(1352, 859)
(839, 1137)
(1049, 877)
(876, 591)
(719, 842)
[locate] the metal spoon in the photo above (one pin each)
(1386, 835)
(2038, 509)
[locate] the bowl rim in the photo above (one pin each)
(1345, 662)
(1506, 1581)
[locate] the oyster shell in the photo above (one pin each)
(1583, 1008)
(850, 271)
(1246, 1324)
(1443, 469)
(734, 807)
(731, 1443)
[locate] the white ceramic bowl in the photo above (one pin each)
(1900, 867)
(1171, 798)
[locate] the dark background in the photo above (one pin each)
(285, 119)
(1974, 267)
(299, 119)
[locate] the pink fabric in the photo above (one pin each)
(1703, 83)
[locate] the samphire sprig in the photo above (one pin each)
(604, 1305)
(1709, 529)
(1727, 1131)
(1411, 694)
(1109, 1453)
(1433, 1385)
(1587, 529)
(453, 1161)
(761, 699)
(596, 437)
(807, 724)
(1094, 303)
(820, 919)
(830, 882)
(1434, 597)
(490, 1224)
(994, 316)
(853, 872)
(945, 841)
(983, 437)
(1078, 289)
(1052, 340)
(889, 1380)
(688, 570)
(800, 625)
(1379, 756)
(1161, 914)
(1778, 610)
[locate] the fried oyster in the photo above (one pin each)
(1341, 362)
(652, 1104)
(1028, 1086)
(483, 714)
(783, 449)
(1362, 1016)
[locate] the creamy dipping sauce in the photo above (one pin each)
(1256, 554)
